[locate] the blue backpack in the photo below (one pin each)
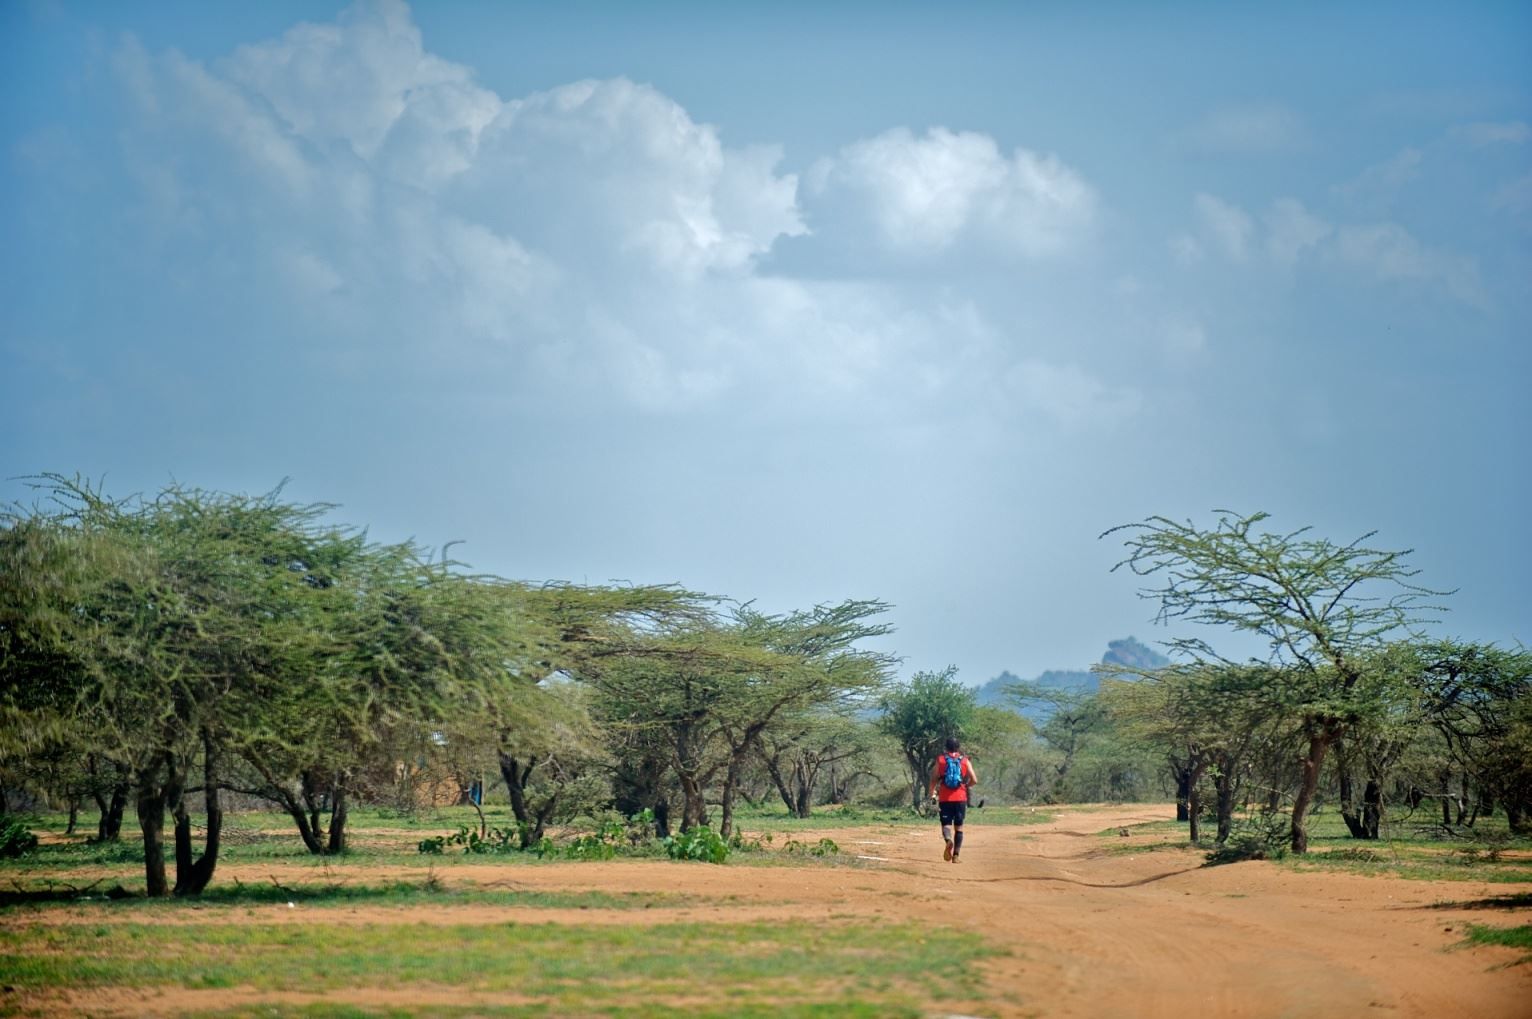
(953, 776)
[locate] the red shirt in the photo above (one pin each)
(960, 794)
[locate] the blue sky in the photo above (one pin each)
(790, 302)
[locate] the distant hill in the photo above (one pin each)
(1127, 651)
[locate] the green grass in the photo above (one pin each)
(1510, 937)
(886, 968)
(427, 893)
(1404, 851)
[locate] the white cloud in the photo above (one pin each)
(1291, 230)
(1390, 253)
(925, 195)
(585, 246)
(1376, 187)
(1384, 250)
(1250, 129)
(1227, 226)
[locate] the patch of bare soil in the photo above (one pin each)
(1088, 929)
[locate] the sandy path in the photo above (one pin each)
(1087, 931)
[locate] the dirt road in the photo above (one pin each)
(1088, 927)
(1095, 930)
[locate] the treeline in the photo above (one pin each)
(1352, 701)
(160, 655)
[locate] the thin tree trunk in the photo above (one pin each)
(194, 875)
(1223, 785)
(1372, 808)
(730, 784)
(156, 787)
(1348, 807)
(1194, 802)
(338, 814)
(774, 769)
(1319, 743)
(516, 777)
(1183, 790)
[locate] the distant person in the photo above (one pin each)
(951, 779)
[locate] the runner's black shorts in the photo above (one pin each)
(953, 811)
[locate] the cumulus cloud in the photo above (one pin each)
(1289, 233)
(586, 245)
(1389, 252)
(924, 195)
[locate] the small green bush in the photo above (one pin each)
(698, 843)
(16, 839)
(1262, 837)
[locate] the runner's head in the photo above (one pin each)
(952, 744)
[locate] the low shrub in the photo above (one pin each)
(698, 843)
(16, 839)
(1262, 837)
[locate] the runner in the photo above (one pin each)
(950, 782)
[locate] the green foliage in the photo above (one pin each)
(1258, 837)
(919, 717)
(824, 847)
(696, 843)
(16, 839)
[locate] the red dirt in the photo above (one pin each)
(1088, 931)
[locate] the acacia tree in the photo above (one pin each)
(1322, 608)
(162, 636)
(817, 664)
(920, 716)
(800, 746)
(1073, 716)
(1476, 699)
(1206, 719)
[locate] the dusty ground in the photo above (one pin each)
(1088, 931)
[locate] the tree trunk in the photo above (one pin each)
(282, 794)
(158, 785)
(774, 769)
(74, 815)
(110, 804)
(920, 782)
(1348, 808)
(730, 784)
(1183, 775)
(1319, 743)
(1372, 808)
(1223, 784)
(192, 876)
(1194, 802)
(338, 813)
(516, 778)
(803, 788)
